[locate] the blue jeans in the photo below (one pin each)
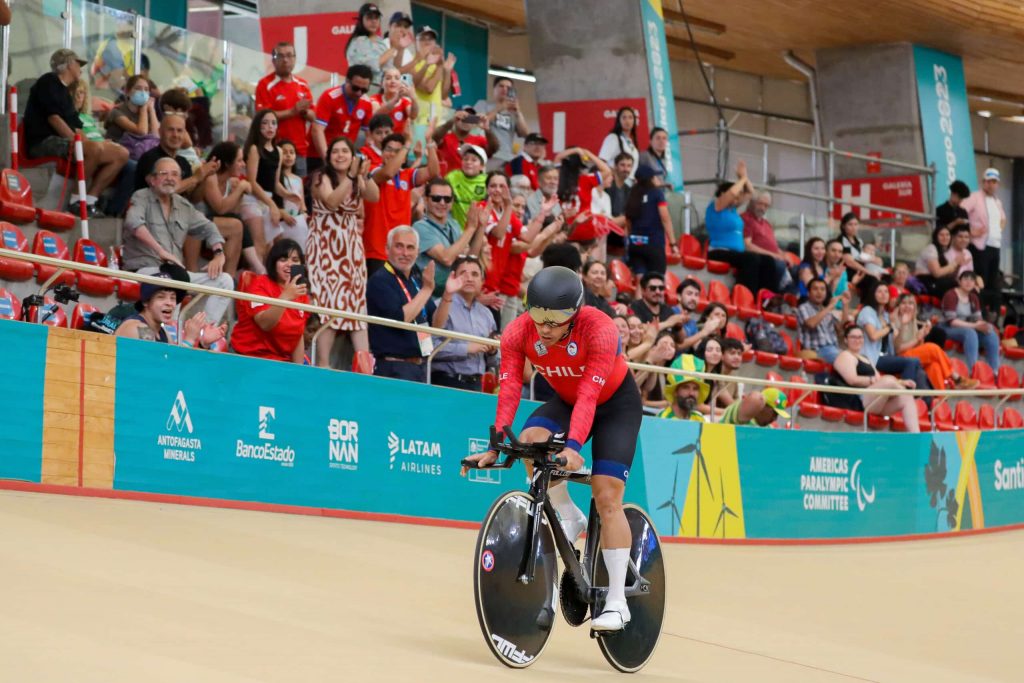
(123, 189)
(827, 353)
(906, 367)
(970, 339)
(400, 370)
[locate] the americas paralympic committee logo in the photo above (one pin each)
(864, 498)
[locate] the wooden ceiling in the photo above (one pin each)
(751, 36)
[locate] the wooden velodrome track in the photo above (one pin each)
(114, 590)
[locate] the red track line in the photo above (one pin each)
(81, 416)
(173, 499)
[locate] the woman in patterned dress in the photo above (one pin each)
(337, 267)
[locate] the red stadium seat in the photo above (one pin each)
(13, 270)
(10, 307)
(1008, 379)
(1011, 419)
(734, 331)
(943, 417)
(790, 361)
(854, 418)
(719, 293)
(796, 394)
(743, 300)
(718, 267)
(832, 414)
(986, 416)
(50, 313)
(622, 277)
(792, 259)
(815, 366)
(672, 283)
(983, 373)
(765, 359)
(959, 366)
(773, 376)
(965, 416)
(87, 251)
(670, 258)
(693, 253)
(923, 421)
(791, 322)
(15, 197)
(127, 290)
(47, 243)
(79, 316)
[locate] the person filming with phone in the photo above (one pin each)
(275, 332)
(505, 119)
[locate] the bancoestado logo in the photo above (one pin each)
(344, 444)
(1009, 477)
(176, 445)
(267, 450)
(830, 484)
(414, 455)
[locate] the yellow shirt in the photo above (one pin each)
(428, 101)
(696, 416)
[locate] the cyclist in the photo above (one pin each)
(576, 348)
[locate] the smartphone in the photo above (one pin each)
(472, 118)
(298, 271)
(511, 92)
(407, 79)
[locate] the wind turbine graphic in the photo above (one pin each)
(671, 502)
(726, 510)
(702, 466)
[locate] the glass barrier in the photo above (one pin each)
(179, 59)
(105, 38)
(37, 31)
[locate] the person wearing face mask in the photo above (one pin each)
(136, 116)
(684, 393)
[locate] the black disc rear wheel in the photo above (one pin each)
(507, 609)
(630, 649)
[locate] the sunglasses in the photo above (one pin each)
(359, 90)
(656, 288)
(446, 198)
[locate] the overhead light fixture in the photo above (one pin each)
(513, 72)
(213, 8)
(985, 113)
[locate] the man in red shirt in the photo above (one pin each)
(577, 349)
(759, 235)
(530, 159)
(291, 99)
(394, 206)
(343, 111)
(455, 133)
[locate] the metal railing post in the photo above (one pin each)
(803, 235)
(892, 248)
(138, 43)
(687, 208)
(5, 51)
(764, 163)
(226, 127)
(830, 190)
(430, 358)
(68, 17)
(185, 309)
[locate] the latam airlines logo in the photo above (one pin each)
(414, 456)
(175, 445)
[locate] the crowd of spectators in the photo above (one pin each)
(365, 200)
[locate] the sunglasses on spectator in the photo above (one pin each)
(446, 198)
(656, 288)
(357, 89)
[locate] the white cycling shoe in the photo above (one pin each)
(613, 618)
(574, 526)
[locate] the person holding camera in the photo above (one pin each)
(455, 134)
(275, 332)
(505, 119)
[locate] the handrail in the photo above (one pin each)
(774, 189)
(928, 170)
(398, 324)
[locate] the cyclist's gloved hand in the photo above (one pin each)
(481, 460)
(573, 460)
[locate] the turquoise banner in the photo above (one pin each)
(21, 420)
(663, 104)
(945, 119)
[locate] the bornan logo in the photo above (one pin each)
(177, 447)
(267, 414)
(414, 456)
(344, 436)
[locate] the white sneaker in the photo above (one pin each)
(613, 618)
(574, 526)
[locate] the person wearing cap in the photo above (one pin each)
(51, 123)
(504, 117)
(455, 133)
(155, 227)
(343, 111)
(469, 183)
(291, 99)
(154, 320)
(685, 392)
(529, 160)
(987, 221)
(431, 76)
(648, 224)
(401, 39)
(366, 46)
(757, 409)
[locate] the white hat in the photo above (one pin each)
(475, 149)
(991, 174)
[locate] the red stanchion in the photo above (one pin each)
(13, 100)
(83, 207)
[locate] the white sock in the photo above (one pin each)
(560, 500)
(616, 561)
(90, 200)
